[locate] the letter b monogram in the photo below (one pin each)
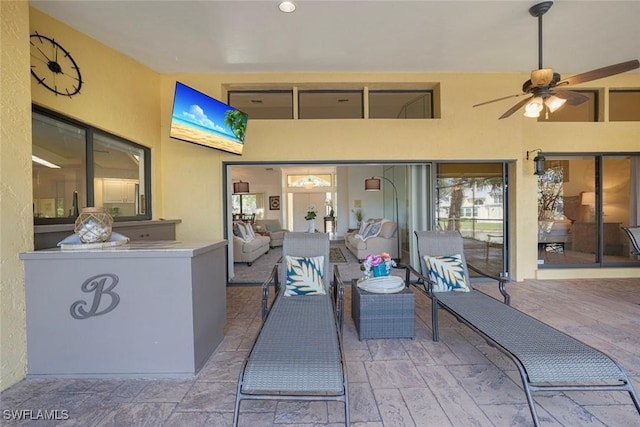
(100, 285)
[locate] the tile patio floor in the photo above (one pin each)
(459, 381)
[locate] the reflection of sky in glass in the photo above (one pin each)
(193, 107)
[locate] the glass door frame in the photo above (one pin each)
(598, 208)
(506, 206)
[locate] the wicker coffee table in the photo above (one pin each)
(383, 315)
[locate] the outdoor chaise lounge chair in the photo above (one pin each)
(547, 359)
(634, 238)
(298, 353)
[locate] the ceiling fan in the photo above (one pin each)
(546, 87)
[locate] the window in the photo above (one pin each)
(400, 104)
(586, 112)
(624, 105)
(330, 104)
(244, 206)
(75, 165)
(583, 201)
(263, 104)
(406, 100)
(469, 212)
(119, 179)
(309, 181)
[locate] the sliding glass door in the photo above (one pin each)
(583, 203)
(471, 198)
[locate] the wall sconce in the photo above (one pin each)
(538, 161)
(240, 187)
(374, 184)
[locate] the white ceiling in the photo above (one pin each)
(357, 36)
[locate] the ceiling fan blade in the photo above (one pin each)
(573, 98)
(515, 108)
(499, 99)
(600, 73)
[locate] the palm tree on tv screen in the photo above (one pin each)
(237, 121)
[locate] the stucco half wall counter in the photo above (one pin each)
(146, 309)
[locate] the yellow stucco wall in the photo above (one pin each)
(123, 97)
(16, 220)
(463, 133)
(119, 95)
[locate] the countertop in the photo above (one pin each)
(54, 228)
(134, 249)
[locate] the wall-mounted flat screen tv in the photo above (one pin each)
(201, 119)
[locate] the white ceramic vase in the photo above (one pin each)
(311, 226)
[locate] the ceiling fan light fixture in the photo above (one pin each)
(533, 108)
(553, 103)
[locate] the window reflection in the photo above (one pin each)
(583, 203)
(116, 176)
(470, 199)
(58, 167)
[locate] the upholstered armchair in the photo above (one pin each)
(271, 228)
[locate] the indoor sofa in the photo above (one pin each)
(247, 245)
(374, 237)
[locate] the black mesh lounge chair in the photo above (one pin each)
(298, 353)
(547, 359)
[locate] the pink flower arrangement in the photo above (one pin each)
(371, 261)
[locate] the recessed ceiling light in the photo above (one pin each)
(287, 6)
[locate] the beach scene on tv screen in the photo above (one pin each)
(203, 120)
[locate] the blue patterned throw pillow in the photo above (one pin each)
(304, 276)
(447, 272)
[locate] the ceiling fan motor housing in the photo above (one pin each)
(541, 78)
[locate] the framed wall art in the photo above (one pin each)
(274, 203)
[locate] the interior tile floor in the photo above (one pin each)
(459, 381)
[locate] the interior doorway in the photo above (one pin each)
(301, 203)
(423, 193)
